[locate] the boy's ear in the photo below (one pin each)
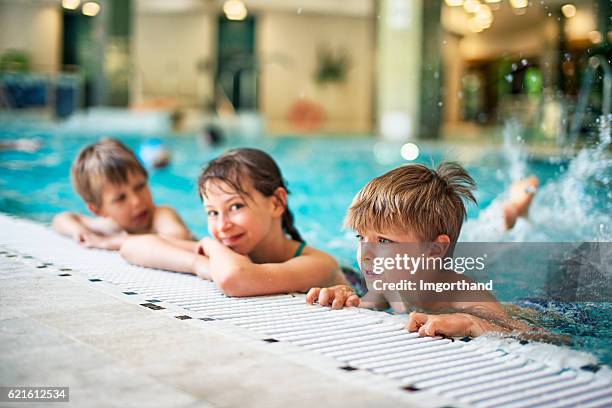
(94, 210)
(440, 246)
(279, 200)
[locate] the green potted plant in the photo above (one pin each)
(331, 66)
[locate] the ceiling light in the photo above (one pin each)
(485, 15)
(91, 8)
(518, 4)
(235, 10)
(471, 6)
(475, 25)
(594, 36)
(71, 4)
(569, 10)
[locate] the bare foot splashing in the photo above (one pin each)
(577, 205)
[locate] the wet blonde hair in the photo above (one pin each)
(107, 161)
(416, 199)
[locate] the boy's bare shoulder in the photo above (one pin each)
(165, 211)
(163, 216)
(311, 251)
(166, 221)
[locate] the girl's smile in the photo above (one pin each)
(240, 222)
(231, 240)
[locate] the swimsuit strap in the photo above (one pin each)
(299, 249)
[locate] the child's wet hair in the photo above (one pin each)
(107, 161)
(258, 167)
(414, 198)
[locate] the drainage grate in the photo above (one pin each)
(476, 373)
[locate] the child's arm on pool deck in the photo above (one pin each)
(78, 226)
(237, 275)
(171, 254)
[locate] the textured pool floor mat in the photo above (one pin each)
(480, 373)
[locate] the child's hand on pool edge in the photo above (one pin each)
(110, 243)
(449, 325)
(203, 247)
(337, 297)
(79, 235)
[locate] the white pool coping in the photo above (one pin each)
(60, 301)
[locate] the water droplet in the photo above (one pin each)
(440, 103)
(508, 77)
(514, 66)
(409, 151)
(524, 62)
(549, 14)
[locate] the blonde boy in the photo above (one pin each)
(114, 186)
(415, 204)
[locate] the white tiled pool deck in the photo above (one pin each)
(119, 335)
(60, 332)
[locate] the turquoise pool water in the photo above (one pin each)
(573, 203)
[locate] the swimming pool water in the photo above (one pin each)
(323, 175)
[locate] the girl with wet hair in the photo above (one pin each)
(254, 248)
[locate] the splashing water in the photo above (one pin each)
(578, 203)
(513, 152)
(575, 206)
